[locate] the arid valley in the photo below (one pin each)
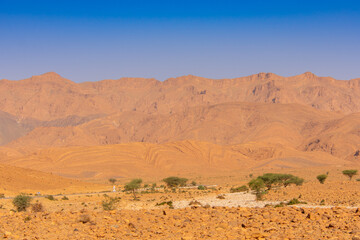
(256, 157)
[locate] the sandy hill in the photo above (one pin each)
(14, 180)
(176, 158)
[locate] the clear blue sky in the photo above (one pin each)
(94, 40)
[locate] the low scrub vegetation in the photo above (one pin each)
(21, 202)
(172, 182)
(242, 188)
(50, 197)
(112, 180)
(202, 187)
(169, 203)
(37, 207)
(269, 180)
(110, 203)
(295, 201)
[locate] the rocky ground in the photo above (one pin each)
(214, 213)
(188, 223)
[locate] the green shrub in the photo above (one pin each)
(295, 201)
(112, 180)
(169, 203)
(281, 204)
(193, 183)
(110, 203)
(350, 173)
(21, 202)
(258, 186)
(201, 187)
(322, 178)
(175, 181)
(65, 198)
(242, 188)
(50, 197)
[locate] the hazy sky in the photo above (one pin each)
(95, 40)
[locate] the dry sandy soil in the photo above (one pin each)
(197, 214)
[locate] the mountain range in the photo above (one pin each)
(189, 124)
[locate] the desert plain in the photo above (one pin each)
(61, 143)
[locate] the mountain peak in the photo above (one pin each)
(308, 75)
(50, 77)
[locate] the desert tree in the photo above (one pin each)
(133, 186)
(112, 180)
(322, 178)
(258, 186)
(350, 173)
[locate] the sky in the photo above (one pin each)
(95, 40)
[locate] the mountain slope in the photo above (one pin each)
(15, 180)
(49, 96)
(226, 123)
(175, 158)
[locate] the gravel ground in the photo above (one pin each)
(231, 200)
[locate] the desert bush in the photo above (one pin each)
(193, 183)
(133, 186)
(242, 188)
(50, 197)
(194, 202)
(65, 198)
(2, 195)
(110, 203)
(201, 187)
(220, 196)
(322, 178)
(281, 204)
(112, 180)
(21, 202)
(169, 203)
(175, 181)
(84, 218)
(37, 207)
(350, 173)
(295, 201)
